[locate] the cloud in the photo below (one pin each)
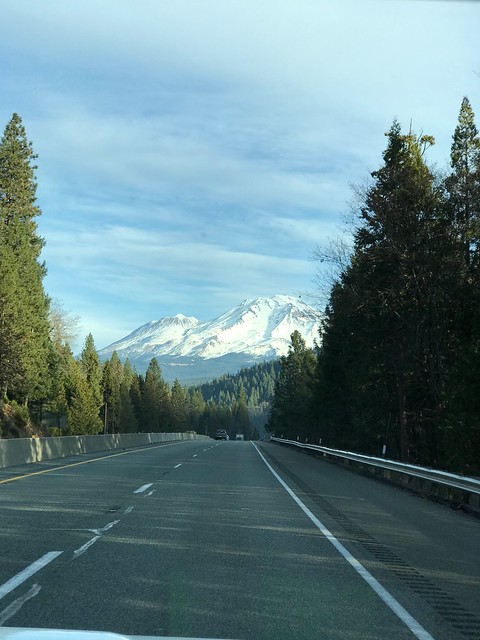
(192, 154)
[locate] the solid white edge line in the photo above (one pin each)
(391, 602)
(17, 580)
(17, 604)
(143, 488)
(78, 552)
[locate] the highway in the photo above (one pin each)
(231, 540)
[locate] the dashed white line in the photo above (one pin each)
(177, 465)
(194, 456)
(143, 488)
(29, 571)
(391, 602)
(128, 510)
(78, 552)
(17, 604)
(99, 532)
(150, 493)
(205, 450)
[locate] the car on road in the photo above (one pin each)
(221, 434)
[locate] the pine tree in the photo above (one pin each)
(461, 430)
(156, 400)
(24, 326)
(82, 412)
(179, 407)
(464, 182)
(240, 417)
(92, 368)
(136, 397)
(196, 407)
(290, 411)
(389, 316)
(111, 380)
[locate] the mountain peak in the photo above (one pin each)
(257, 329)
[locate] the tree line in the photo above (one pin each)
(398, 367)
(256, 384)
(112, 397)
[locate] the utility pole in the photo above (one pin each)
(105, 396)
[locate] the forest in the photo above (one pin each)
(398, 367)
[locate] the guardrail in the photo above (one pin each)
(459, 491)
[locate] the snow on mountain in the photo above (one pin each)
(256, 329)
(158, 334)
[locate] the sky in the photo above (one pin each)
(193, 153)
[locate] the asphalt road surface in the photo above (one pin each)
(232, 540)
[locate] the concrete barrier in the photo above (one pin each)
(25, 450)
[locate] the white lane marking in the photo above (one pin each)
(17, 604)
(205, 450)
(98, 532)
(14, 582)
(128, 510)
(78, 552)
(150, 493)
(143, 488)
(391, 602)
(194, 456)
(177, 465)
(109, 526)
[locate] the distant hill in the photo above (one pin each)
(258, 383)
(255, 331)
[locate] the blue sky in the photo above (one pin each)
(192, 153)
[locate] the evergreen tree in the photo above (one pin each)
(240, 418)
(385, 343)
(92, 368)
(127, 422)
(136, 398)
(156, 400)
(112, 373)
(461, 430)
(289, 414)
(463, 184)
(196, 408)
(179, 408)
(82, 413)
(24, 326)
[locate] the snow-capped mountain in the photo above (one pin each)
(191, 350)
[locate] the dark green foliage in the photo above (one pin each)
(82, 411)
(399, 361)
(24, 327)
(92, 368)
(240, 423)
(156, 401)
(258, 383)
(289, 416)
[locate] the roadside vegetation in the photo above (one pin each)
(398, 366)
